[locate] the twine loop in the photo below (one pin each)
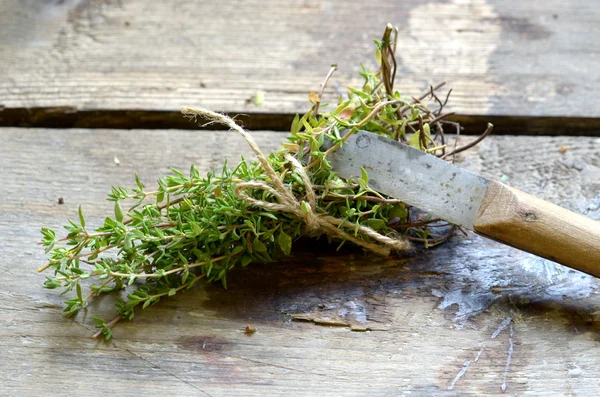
(305, 209)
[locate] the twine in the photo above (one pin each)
(288, 203)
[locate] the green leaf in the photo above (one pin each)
(184, 277)
(415, 140)
(104, 327)
(399, 211)
(127, 242)
(81, 219)
(426, 130)
(194, 172)
(177, 172)
(79, 294)
(196, 229)
(364, 176)
(48, 239)
(236, 250)
(118, 212)
(376, 224)
(284, 241)
(246, 259)
(183, 259)
(51, 283)
(138, 182)
(147, 303)
(259, 246)
(295, 125)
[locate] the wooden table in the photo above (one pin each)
(461, 319)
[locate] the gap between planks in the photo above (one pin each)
(68, 117)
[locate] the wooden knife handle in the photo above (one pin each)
(537, 226)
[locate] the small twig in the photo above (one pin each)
(435, 241)
(424, 107)
(158, 275)
(422, 138)
(437, 99)
(440, 132)
(419, 224)
(104, 284)
(87, 235)
(393, 55)
(462, 230)
(423, 96)
(108, 325)
(46, 266)
(161, 207)
(487, 132)
(435, 148)
(388, 72)
(323, 187)
(458, 129)
(331, 70)
(411, 128)
(441, 117)
(443, 105)
(436, 117)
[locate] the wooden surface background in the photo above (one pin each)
(69, 62)
(424, 316)
(462, 319)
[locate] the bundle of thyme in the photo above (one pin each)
(195, 227)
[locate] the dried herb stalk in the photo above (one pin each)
(195, 227)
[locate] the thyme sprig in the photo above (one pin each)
(195, 227)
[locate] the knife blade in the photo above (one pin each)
(461, 197)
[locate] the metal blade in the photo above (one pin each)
(417, 178)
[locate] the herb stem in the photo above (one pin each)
(487, 132)
(104, 284)
(323, 85)
(157, 275)
(103, 234)
(108, 325)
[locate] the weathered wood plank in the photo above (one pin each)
(503, 58)
(428, 314)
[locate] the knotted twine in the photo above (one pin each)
(288, 203)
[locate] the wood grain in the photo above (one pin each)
(523, 221)
(423, 315)
(62, 61)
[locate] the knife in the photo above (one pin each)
(488, 207)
